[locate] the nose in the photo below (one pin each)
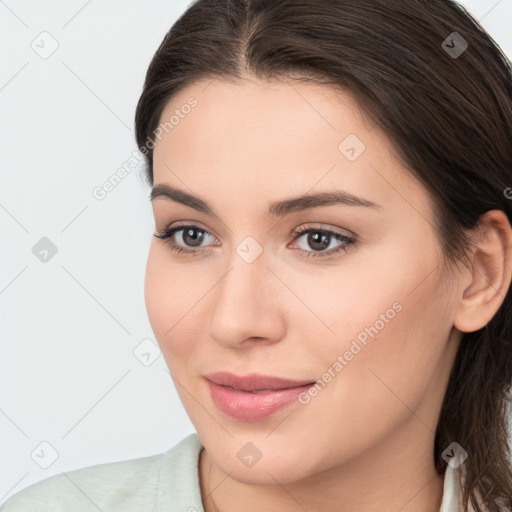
(246, 305)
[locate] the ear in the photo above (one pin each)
(487, 280)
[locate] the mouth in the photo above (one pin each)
(255, 397)
(255, 383)
(253, 391)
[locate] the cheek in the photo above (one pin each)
(363, 294)
(172, 296)
(388, 318)
(392, 348)
(156, 294)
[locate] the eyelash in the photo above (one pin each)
(168, 234)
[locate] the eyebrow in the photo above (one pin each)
(275, 209)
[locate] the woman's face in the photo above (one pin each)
(367, 316)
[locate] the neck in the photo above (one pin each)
(402, 479)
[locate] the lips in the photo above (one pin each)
(254, 383)
(254, 397)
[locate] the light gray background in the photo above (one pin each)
(69, 327)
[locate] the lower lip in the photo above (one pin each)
(248, 406)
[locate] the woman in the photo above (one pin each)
(330, 276)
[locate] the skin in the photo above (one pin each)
(367, 438)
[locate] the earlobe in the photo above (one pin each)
(489, 275)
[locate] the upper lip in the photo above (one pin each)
(254, 381)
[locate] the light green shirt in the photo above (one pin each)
(166, 482)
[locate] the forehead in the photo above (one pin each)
(275, 135)
(255, 107)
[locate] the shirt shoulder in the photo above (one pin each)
(138, 485)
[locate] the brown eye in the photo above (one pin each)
(192, 238)
(320, 239)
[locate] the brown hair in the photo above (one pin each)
(448, 117)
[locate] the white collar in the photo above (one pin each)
(451, 490)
